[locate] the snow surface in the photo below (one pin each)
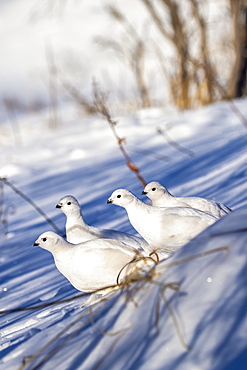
(207, 312)
(203, 327)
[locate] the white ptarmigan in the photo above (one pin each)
(167, 228)
(161, 197)
(78, 231)
(92, 265)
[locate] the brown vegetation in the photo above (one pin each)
(195, 75)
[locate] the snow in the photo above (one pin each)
(192, 314)
(210, 305)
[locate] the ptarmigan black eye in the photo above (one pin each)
(69, 203)
(119, 196)
(44, 239)
(153, 189)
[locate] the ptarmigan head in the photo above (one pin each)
(48, 240)
(121, 197)
(69, 205)
(154, 190)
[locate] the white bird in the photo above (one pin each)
(161, 197)
(169, 227)
(92, 265)
(78, 231)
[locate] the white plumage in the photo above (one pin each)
(89, 266)
(78, 231)
(161, 197)
(167, 228)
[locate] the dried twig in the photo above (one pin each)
(34, 205)
(30, 359)
(100, 102)
(174, 144)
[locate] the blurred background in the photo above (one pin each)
(143, 53)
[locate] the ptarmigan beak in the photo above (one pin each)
(58, 206)
(109, 200)
(144, 192)
(35, 244)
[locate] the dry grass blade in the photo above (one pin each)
(228, 232)
(174, 318)
(65, 300)
(107, 333)
(199, 255)
(113, 345)
(29, 359)
(88, 314)
(133, 270)
(43, 305)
